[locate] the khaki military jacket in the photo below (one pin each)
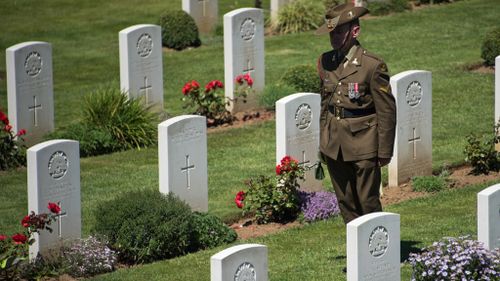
(358, 83)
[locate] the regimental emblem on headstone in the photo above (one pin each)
(414, 93)
(303, 116)
(33, 64)
(144, 45)
(379, 241)
(247, 29)
(245, 272)
(58, 165)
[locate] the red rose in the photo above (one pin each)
(19, 238)
(208, 87)
(21, 132)
(250, 81)
(54, 208)
(219, 84)
(195, 84)
(26, 221)
(239, 79)
(4, 118)
(7, 128)
(2, 237)
(240, 196)
(278, 169)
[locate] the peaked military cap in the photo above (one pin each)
(338, 15)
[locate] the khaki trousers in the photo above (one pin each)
(356, 185)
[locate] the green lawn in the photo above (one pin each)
(317, 252)
(84, 34)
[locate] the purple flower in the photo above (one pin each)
(318, 205)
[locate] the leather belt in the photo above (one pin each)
(341, 112)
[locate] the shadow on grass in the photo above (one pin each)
(407, 248)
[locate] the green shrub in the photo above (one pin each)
(385, 7)
(332, 3)
(274, 199)
(179, 30)
(428, 183)
(491, 46)
(93, 140)
(12, 148)
(127, 120)
(480, 152)
(145, 225)
(299, 16)
(210, 231)
(303, 78)
(272, 93)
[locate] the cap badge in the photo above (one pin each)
(350, 14)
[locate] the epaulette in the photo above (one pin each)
(372, 55)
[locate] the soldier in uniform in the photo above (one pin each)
(358, 114)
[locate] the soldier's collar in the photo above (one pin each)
(352, 55)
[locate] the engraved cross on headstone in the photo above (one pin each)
(146, 90)
(249, 68)
(413, 141)
(304, 162)
(186, 170)
(204, 6)
(59, 217)
(34, 108)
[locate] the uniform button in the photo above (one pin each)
(338, 93)
(338, 118)
(338, 101)
(340, 83)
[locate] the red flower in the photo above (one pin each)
(21, 132)
(219, 84)
(239, 79)
(249, 81)
(278, 169)
(2, 237)
(4, 118)
(186, 89)
(195, 84)
(26, 221)
(208, 87)
(19, 238)
(240, 196)
(7, 128)
(54, 208)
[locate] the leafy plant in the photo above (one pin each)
(428, 183)
(179, 30)
(89, 256)
(12, 149)
(481, 154)
(303, 78)
(385, 7)
(455, 259)
(145, 225)
(332, 3)
(299, 16)
(128, 121)
(212, 102)
(14, 248)
(318, 205)
(274, 199)
(93, 140)
(491, 46)
(210, 231)
(274, 92)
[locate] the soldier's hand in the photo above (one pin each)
(383, 161)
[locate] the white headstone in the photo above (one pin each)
(247, 262)
(30, 89)
(276, 5)
(488, 217)
(54, 176)
(413, 144)
(297, 133)
(244, 53)
(373, 248)
(497, 95)
(204, 13)
(182, 156)
(141, 66)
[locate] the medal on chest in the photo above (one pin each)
(353, 91)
